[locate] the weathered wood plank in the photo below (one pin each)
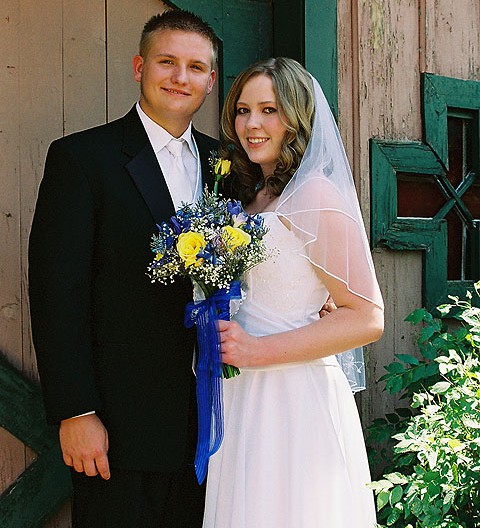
(123, 36)
(12, 461)
(388, 85)
(347, 43)
(399, 276)
(40, 119)
(453, 38)
(389, 77)
(10, 138)
(84, 64)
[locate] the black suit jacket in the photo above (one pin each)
(107, 339)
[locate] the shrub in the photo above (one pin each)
(433, 480)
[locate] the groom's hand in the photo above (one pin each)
(328, 307)
(84, 443)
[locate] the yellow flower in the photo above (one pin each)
(159, 256)
(188, 246)
(222, 167)
(235, 237)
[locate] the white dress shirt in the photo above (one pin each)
(159, 139)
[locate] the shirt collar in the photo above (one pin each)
(159, 137)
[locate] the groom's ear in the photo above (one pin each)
(137, 67)
(211, 81)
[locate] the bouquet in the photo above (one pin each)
(214, 242)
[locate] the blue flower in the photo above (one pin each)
(208, 254)
(234, 207)
(179, 224)
(162, 242)
(169, 240)
(255, 224)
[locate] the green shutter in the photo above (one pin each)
(387, 158)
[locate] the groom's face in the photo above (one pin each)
(175, 76)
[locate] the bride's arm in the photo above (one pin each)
(338, 252)
(356, 322)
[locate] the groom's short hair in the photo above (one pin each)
(177, 19)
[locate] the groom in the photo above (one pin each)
(113, 356)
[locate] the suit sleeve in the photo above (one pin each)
(60, 278)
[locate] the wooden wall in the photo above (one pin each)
(383, 46)
(65, 66)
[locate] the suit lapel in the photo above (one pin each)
(145, 170)
(204, 149)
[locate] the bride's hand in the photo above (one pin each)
(238, 347)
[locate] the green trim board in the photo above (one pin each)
(428, 158)
(321, 49)
(45, 485)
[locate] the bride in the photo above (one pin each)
(293, 454)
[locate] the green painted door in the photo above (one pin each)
(251, 30)
(245, 30)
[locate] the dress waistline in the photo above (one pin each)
(329, 361)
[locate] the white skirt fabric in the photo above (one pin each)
(293, 454)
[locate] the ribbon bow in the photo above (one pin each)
(205, 315)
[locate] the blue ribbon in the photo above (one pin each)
(205, 315)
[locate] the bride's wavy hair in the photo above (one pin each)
(293, 90)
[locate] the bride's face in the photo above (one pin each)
(258, 123)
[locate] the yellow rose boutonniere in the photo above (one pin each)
(221, 169)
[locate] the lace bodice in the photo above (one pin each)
(284, 292)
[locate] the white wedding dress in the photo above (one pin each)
(293, 454)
